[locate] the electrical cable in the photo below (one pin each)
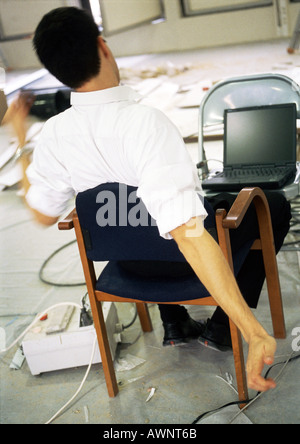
(38, 317)
(45, 263)
(133, 319)
(249, 402)
(290, 359)
(86, 374)
(57, 284)
(228, 383)
(79, 388)
(205, 162)
(259, 394)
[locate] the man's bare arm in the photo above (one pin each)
(16, 115)
(42, 219)
(207, 260)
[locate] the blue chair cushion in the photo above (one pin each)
(119, 282)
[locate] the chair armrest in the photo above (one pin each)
(241, 205)
(67, 223)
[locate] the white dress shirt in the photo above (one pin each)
(107, 136)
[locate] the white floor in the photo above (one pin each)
(186, 379)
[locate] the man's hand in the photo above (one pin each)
(17, 113)
(209, 264)
(261, 352)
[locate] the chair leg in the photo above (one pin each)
(271, 271)
(275, 297)
(144, 316)
(104, 347)
(239, 362)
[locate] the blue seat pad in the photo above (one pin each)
(119, 282)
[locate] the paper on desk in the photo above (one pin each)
(186, 120)
(147, 86)
(163, 97)
(194, 97)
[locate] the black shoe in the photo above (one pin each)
(216, 336)
(179, 332)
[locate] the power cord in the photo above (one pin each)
(38, 317)
(83, 307)
(79, 388)
(205, 162)
(259, 394)
(248, 402)
(133, 319)
(85, 319)
(45, 263)
(85, 314)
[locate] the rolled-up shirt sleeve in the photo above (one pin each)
(50, 185)
(169, 185)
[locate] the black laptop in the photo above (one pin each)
(260, 146)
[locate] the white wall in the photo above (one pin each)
(179, 33)
(22, 17)
(175, 34)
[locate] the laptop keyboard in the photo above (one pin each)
(255, 173)
(236, 179)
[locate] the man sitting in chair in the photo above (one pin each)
(107, 136)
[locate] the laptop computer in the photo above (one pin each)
(260, 146)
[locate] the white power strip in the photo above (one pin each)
(70, 348)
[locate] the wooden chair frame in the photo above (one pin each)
(224, 222)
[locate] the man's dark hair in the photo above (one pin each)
(66, 43)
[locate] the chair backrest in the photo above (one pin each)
(116, 226)
(246, 91)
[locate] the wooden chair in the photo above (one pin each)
(119, 242)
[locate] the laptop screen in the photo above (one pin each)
(260, 135)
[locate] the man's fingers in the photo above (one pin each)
(261, 353)
(257, 382)
(270, 350)
(269, 360)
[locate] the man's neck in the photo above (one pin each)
(96, 87)
(99, 83)
(108, 76)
